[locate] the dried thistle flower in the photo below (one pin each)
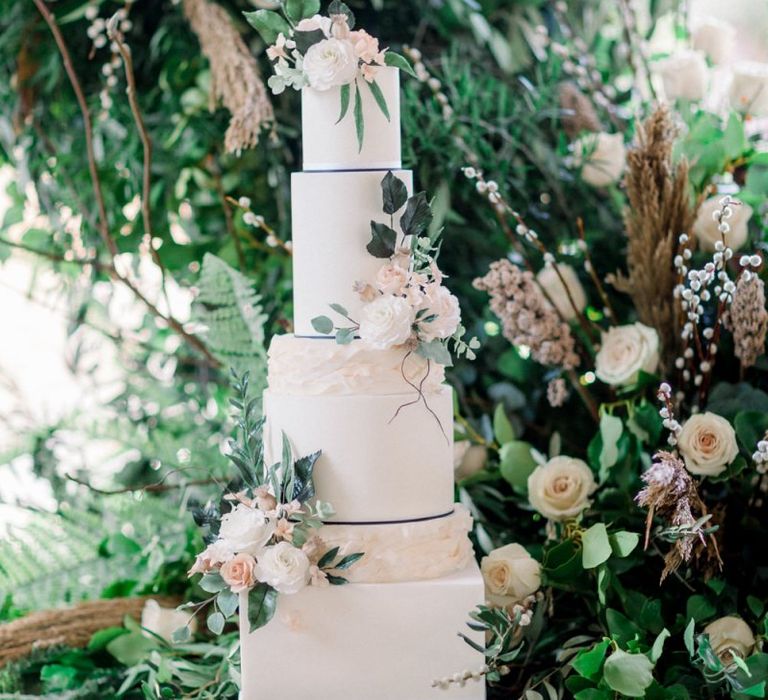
(578, 112)
(235, 76)
(557, 392)
(747, 319)
(527, 317)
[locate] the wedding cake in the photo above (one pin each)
(387, 460)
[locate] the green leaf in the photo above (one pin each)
(502, 428)
(593, 694)
(303, 481)
(100, 639)
(436, 351)
(395, 60)
(262, 601)
(328, 557)
(344, 336)
(336, 580)
(130, 649)
(383, 241)
(417, 215)
(628, 674)
(588, 662)
(378, 95)
(212, 583)
(622, 629)
(658, 645)
(339, 309)
(348, 561)
(268, 24)
(359, 123)
(596, 547)
(216, 622)
(394, 193)
(181, 635)
(623, 543)
(339, 8)
(699, 608)
(750, 428)
(516, 463)
(306, 39)
(227, 602)
(298, 10)
(688, 637)
(323, 325)
(346, 93)
(611, 429)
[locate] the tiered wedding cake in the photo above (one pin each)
(393, 630)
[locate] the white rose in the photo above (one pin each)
(439, 302)
(730, 636)
(707, 443)
(312, 24)
(715, 38)
(284, 567)
(601, 156)
(245, 530)
(560, 489)
(550, 282)
(684, 75)
(165, 621)
(749, 88)
(705, 227)
(391, 278)
(386, 322)
(510, 574)
(330, 63)
(625, 351)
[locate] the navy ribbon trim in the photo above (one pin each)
(393, 522)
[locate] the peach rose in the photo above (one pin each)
(366, 47)
(238, 573)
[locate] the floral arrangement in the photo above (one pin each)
(266, 544)
(324, 52)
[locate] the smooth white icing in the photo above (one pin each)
(404, 551)
(373, 467)
(322, 366)
(332, 146)
(332, 214)
(378, 641)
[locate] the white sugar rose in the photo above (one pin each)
(625, 351)
(684, 75)
(749, 88)
(705, 227)
(165, 621)
(284, 567)
(560, 489)
(330, 63)
(730, 636)
(312, 24)
(601, 157)
(707, 443)
(386, 322)
(510, 574)
(715, 38)
(444, 306)
(550, 282)
(246, 530)
(391, 278)
(212, 557)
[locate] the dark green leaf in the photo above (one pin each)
(359, 123)
(339, 8)
(383, 241)
(417, 215)
(323, 325)
(502, 428)
(304, 40)
(268, 24)
(378, 95)
(588, 662)
(394, 193)
(345, 92)
(328, 557)
(337, 580)
(395, 60)
(100, 639)
(303, 483)
(262, 601)
(347, 561)
(298, 10)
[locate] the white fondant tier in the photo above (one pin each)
(310, 366)
(378, 641)
(329, 145)
(374, 466)
(331, 228)
(412, 551)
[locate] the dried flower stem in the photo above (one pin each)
(593, 272)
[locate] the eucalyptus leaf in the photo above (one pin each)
(596, 547)
(344, 336)
(216, 622)
(212, 583)
(623, 543)
(658, 645)
(628, 674)
(268, 24)
(323, 325)
(611, 429)
(502, 428)
(436, 351)
(516, 463)
(227, 602)
(688, 636)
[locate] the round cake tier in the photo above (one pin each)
(329, 145)
(375, 466)
(321, 366)
(404, 551)
(332, 214)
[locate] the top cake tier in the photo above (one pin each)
(329, 145)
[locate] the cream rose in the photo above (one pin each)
(245, 529)
(386, 322)
(601, 157)
(165, 621)
(705, 226)
(330, 63)
(284, 567)
(550, 282)
(560, 489)
(715, 38)
(684, 75)
(444, 306)
(239, 573)
(749, 88)
(468, 459)
(625, 351)
(730, 636)
(391, 279)
(707, 443)
(312, 24)
(510, 574)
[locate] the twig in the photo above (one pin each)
(585, 396)
(228, 220)
(158, 487)
(56, 257)
(593, 273)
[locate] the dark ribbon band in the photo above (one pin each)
(392, 522)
